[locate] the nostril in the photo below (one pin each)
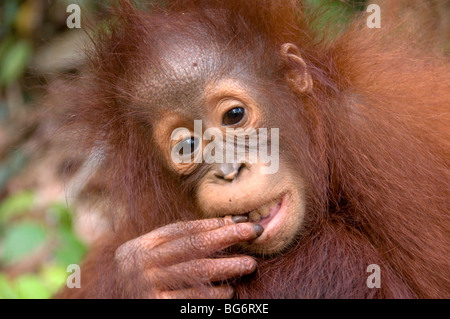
(229, 171)
(231, 176)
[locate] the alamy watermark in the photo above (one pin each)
(374, 280)
(74, 279)
(374, 20)
(238, 146)
(74, 19)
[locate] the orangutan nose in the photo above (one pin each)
(229, 171)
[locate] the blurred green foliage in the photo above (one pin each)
(333, 15)
(36, 243)
(48, 236)
(15, 51)
(14, 57)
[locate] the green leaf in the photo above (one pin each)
(5, 45)
(16, 205)
(332, 18)
(53, 277)
(20, 240)
(14, 61)
(6, 289)
(71, 250)
(30, 287)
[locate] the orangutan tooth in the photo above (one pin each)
(254, 216)
(273, 204)
(264, 211)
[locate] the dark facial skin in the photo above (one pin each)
(237, 203)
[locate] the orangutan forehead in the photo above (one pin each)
(184, 69)
(185, 60)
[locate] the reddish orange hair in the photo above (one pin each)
(372, 141)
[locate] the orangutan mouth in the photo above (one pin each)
(264, 214)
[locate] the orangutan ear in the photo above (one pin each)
(298, 75)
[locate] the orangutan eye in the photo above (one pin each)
(188, 146)
(233, 116)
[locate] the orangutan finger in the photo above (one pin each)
(203, 244)
(181, 229)
(170, 232)
(201, 270)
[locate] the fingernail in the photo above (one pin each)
(258, 229)
(239, 219)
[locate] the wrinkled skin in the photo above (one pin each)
(180, 250)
